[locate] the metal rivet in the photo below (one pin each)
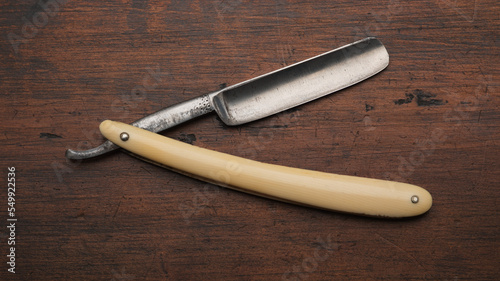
(414, 199)
(124, 136)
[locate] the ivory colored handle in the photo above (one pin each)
(350, 194)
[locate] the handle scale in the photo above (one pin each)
(349, 194)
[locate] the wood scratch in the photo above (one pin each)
(146, 170)
(279, 34)
(116, 211)
(402, 250)
(483, 165)
(371, 157)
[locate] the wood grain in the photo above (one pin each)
(431, 119)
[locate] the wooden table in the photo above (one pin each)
(431, 118)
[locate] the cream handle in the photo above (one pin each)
(349, 194)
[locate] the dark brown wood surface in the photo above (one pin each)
(431, 118)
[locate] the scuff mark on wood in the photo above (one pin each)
(409, 98)
(426, 98)
(423, 99)
(187, 138)
(49, 136)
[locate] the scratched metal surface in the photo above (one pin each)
(431, 118)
